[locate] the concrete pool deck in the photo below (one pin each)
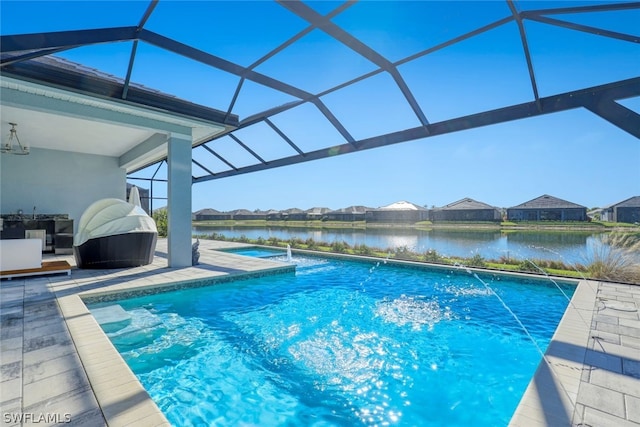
(57, 366)
(590, 375)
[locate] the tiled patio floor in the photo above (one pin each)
(57, 366)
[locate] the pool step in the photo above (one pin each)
(111, 318)
(128, 327)
(142, 322)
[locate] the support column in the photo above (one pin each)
(179, 203)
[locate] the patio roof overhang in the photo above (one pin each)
(64, 106)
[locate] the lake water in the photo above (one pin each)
(570, 247)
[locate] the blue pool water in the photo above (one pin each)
(256, 252)
(340, 343)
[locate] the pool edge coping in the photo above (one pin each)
(451, 268)
(121, 292)
(552, 394)
(111, 380)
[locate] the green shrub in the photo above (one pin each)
(339, 247)
(434, 257)
(273, 241)
(160, 217)
(476, 261)
(363, 249)
(295, 242)
(557, 265)
(403, 252)
(526, 265)
(506, 259)
(311, 244)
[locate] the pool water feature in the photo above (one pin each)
(341, 343)
(254, 251)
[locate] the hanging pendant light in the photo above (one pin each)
(13, 144)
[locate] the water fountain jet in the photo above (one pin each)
(519, 322)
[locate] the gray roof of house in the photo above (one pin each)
(402, 205)
(547, 201)
(631, 202)
(466, 204)
(318, 210)
(353, 209)
(241, 212)
(207, 211)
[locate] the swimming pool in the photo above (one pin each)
(340, 343)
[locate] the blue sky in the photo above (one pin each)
(573, 155)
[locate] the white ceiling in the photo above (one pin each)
(58, 119)
(57, 132)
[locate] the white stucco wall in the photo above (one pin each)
(58, 182)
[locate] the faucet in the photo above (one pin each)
(34, 212)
